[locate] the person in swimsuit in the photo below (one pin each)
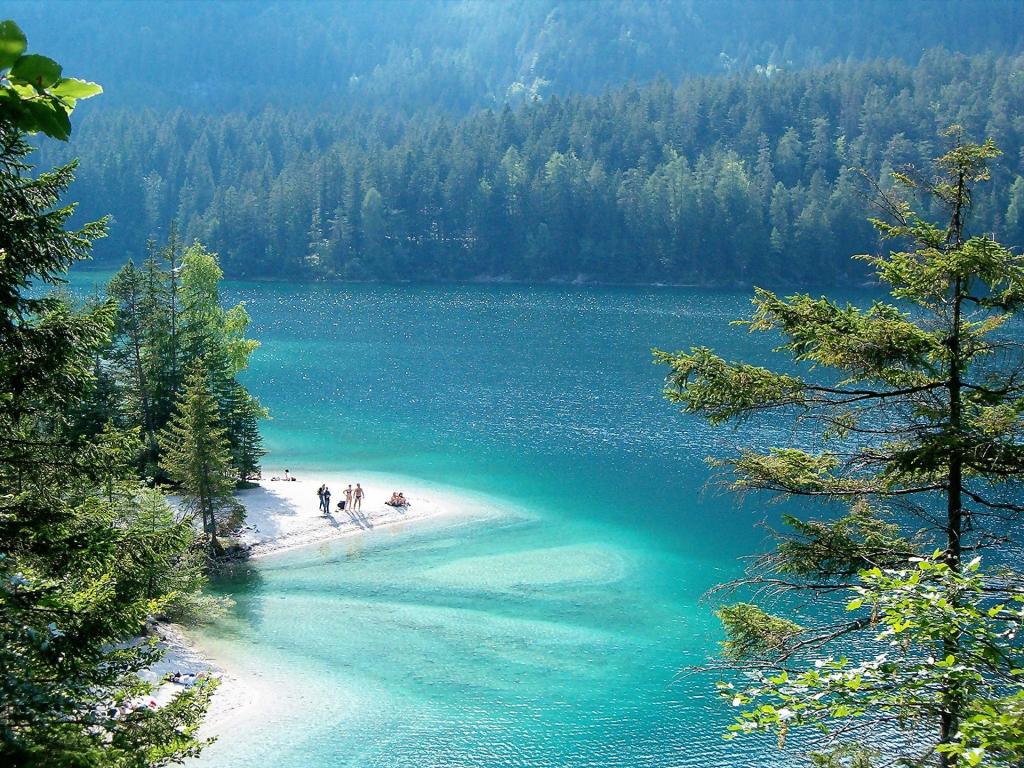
(348, 497)
(358, 497)
(327, 500)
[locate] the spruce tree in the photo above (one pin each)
(914, 414)
(242, 415)
(173, 557)
(129, 350)
(197, 457)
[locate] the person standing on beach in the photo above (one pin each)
(327, 501)
(348, 497)
(358, 497)
(320, 495)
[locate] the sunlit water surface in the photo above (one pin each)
(553, 635)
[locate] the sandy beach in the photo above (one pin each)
(283, 515)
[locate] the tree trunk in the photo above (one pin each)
(949, 721)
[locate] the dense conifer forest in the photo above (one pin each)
(719, 180)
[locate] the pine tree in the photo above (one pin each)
(917, 407)
(158, 320)
(373, 221)
(197, 457)
(129, 351)
(172, 559)
(172, 357)
(242, 415)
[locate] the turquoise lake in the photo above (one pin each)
(551, 638)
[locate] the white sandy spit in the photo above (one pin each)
(283, 515)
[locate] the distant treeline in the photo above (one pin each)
(739, 178)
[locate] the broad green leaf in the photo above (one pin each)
(40, 71)
(72, 87)
(45, 117)
(12, 43)
(24, 91)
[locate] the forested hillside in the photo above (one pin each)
(456, 55)
(719, 180)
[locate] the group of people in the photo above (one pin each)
(353, 499)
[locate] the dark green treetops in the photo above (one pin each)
(911, 414)
(628, 187)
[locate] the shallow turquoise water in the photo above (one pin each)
(550, 640)
(553, 638)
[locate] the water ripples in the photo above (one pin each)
(546, 641)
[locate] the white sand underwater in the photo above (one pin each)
(283, 515)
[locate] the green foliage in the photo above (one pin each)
(752, 632)
(197, 458)
(195, 608)
(917, 610)
(702, 382)
(837, 549)
(86, 555)
(845, 756)
(207, 329)
(34, 96)
(917, 418)
(12, 43)
(169, 319)
(173, 558)
(878, 343)
(242, 414)
(990, 734)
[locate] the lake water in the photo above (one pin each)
(553, 635)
